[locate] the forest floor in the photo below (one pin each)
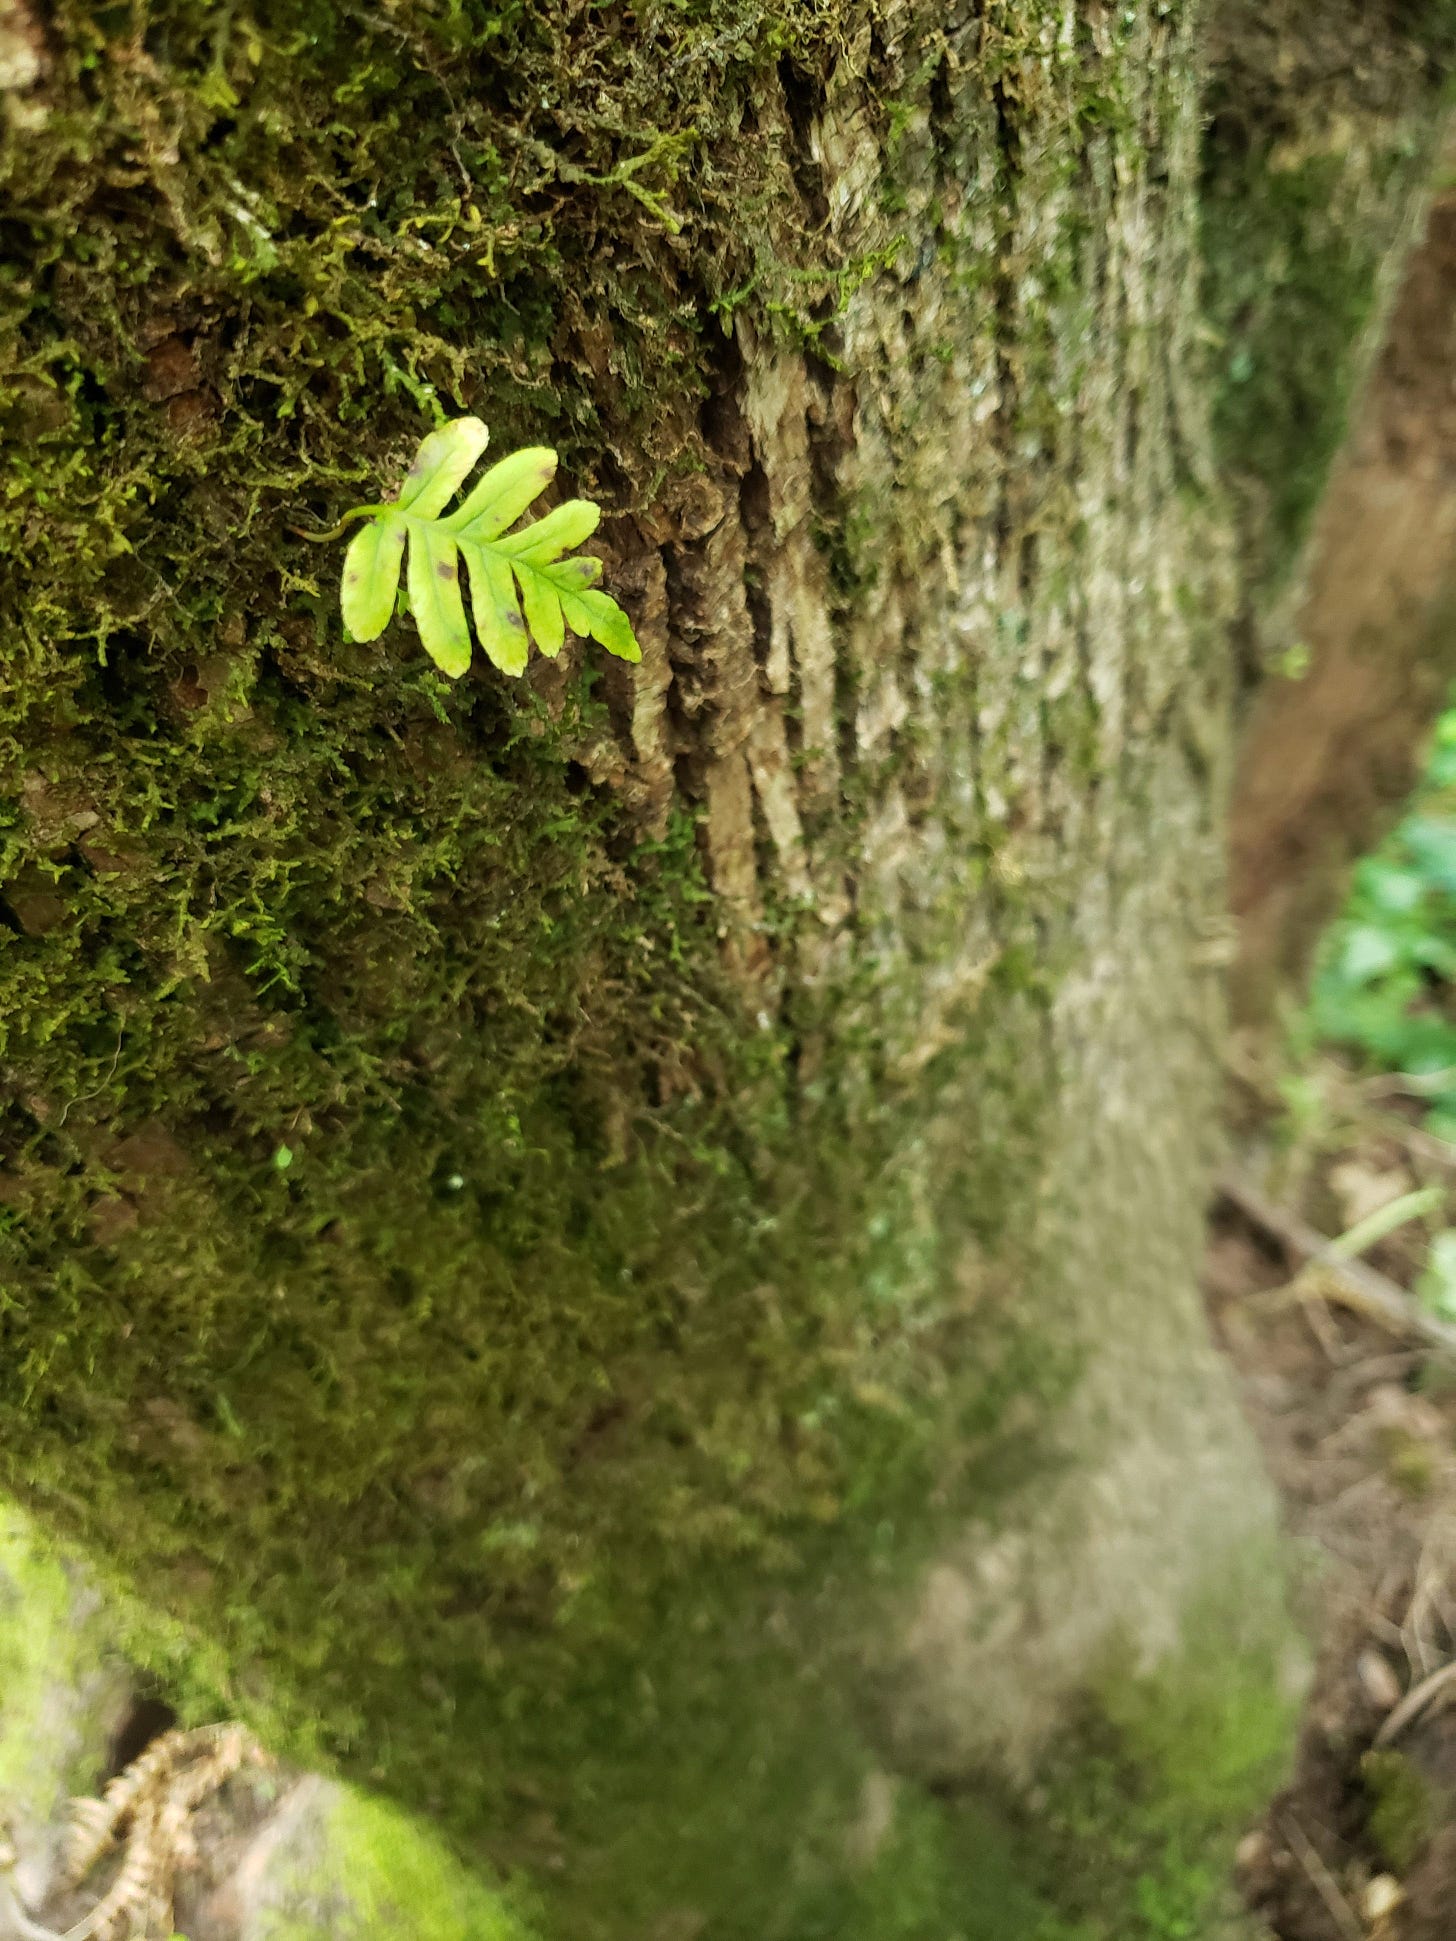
(1352, 1391)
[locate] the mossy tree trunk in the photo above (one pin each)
(614, 1251)
(1331, 753)
(1332, 277)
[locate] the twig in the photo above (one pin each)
(1352, 1282)
(1415, 1702)
(1323, 1881)
(1321, 1326)
(1420, 1085)
(1427, 1608)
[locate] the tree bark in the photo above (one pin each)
(1331, 752)
(615, 1252)
(1330, 286)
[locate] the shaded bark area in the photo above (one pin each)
(1329, 755)
(1323, 122)
(617, 1253)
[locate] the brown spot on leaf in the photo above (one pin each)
(446, 570)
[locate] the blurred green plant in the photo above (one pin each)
(1385, 983)
(1385, 986)
(1437, 1284)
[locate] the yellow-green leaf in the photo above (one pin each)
(557, 592)
(598, 615)
(371, 579)
(441, 466)
(548, 538)
(497, 612)
(543, 609)
(570, 575)
(434, 598)
(504, 493)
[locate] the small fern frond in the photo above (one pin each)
(522, 588)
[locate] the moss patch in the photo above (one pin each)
(56, 1673)
(1319, 133)
(425, 1278)
(1128, 1835)
(367, 1871)
(412, 1256)
(366, 1072)
(1404, 1810)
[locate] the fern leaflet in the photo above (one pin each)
(522, 588)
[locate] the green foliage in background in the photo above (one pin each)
(1386, 982)
(558, 593)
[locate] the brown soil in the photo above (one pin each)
(1358, 1420)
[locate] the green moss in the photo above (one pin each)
(548, 1305)
(35, 1649)
(54, 1663)
(1296, 291)
(480, 1413)
(368, 1872)
(1126, 1831)
(790, 1820)
(263, 890)
(1319, 133)
(590, 1309)
(1404, 1809)
(1213, 1724)
(1138, 1815)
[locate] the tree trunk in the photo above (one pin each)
(1330, 754)
(615, 1251)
